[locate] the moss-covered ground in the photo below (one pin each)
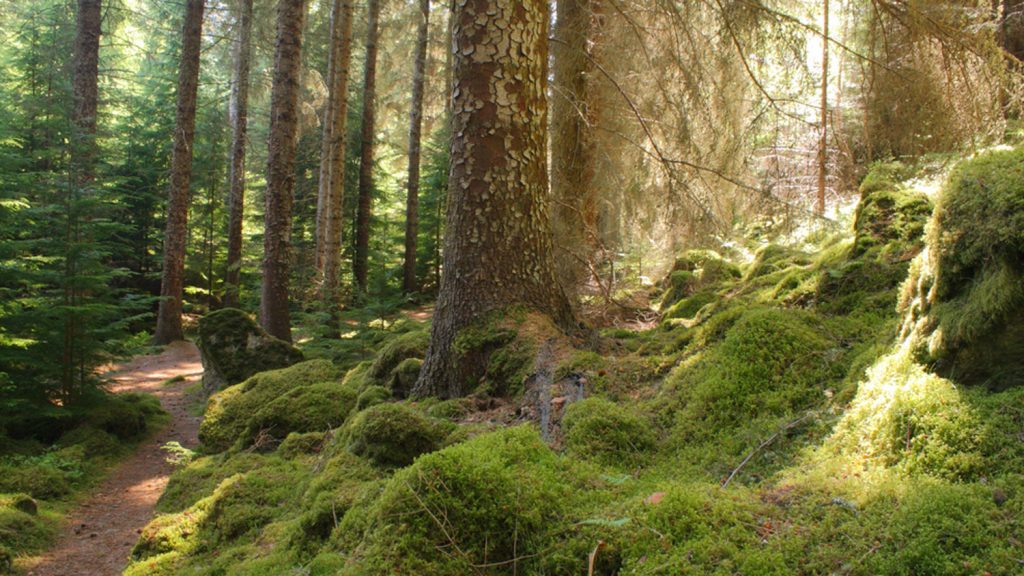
(782, 418)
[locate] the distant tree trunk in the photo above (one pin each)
(575, 212)
(360, 265)
(412, 203)
(823, 142)
(236, 168)
(274, 314)
(498, 241)
(335, 197)
(86, 88)
(324, 179)
(1011, 29)
(168, 322)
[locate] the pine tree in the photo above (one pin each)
(168, 324)
(360, 265)
(498, 243)
(236, 170)
(412, 201)
(274, 314)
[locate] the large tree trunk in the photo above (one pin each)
(412, 203)
(274, 313)
(335, 194)
(168, 322)
(1011, 30)
(360, 265)
(498, 242)
(236, 167)
(575, 212)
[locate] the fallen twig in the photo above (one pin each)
(760, 447)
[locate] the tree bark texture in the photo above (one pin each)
(498, 242)
(236, 168)
(823, 142)
(335, 194)
(168, 323)
(86, 87)
(412, 202)
(274, 314)
(360, 265)
(575, 211)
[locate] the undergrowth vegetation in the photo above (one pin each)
(784, 417)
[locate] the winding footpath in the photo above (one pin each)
(100, 533)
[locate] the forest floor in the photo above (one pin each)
(101, 531)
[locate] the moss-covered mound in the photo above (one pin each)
(599, 429)
(964, 301)
(234, 347)
(241, 411)
(492, 501)
(392, 435)
(694, 280)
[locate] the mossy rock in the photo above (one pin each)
(963, 303)
(234, 347)
(404, 376)
(126, 416)
(299, 444)
(697, 271)
(392, 435)
(607, 432)
(314, 408)
(889, 216)
(24, 528)
(229, 413)
(403, 347)
(371, 396)
(770, 364)
(772, 258)
(499, 497)
(329, 496)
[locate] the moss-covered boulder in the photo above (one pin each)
(316, 407)
(497, 499)
(234, 347)
(963, 303)
(696, 274)
(613, 434)
(394, 434)
(230, 414)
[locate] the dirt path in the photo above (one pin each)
(101, 532)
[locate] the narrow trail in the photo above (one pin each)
(101, 532)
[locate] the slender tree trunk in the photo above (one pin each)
(86, 88)
(412, 202)
(236, 169)
(336, 155)
(324, 180)
(168, 322)
(360, 266)
(274, 314)
(498, 241)
(823, 142)
(575, 214)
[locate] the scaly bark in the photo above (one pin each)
(498, 242)
(412, 201)
(360, 265)
(274, 314)
(236, 168)
(168, 322)
(339, 144)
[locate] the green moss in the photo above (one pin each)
(408, 345)
(299, 444)
(371, 396)
(602, 430)
(313, 408)
(771, 365)
(773, 258)
(495, 498)
(884, 176)
(903, 416)
(697, 271)
(453, 409)
(330, 495)
(497, 354)
(393, 435)
(229, 413)
(963, 301)
(234, 348)
(404, 376)
(201, 477)
(24, 528)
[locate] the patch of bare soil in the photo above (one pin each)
(100, 533)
